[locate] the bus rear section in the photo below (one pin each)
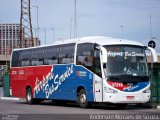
(50, 73)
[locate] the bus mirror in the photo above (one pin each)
(104, 54)
(154, 54)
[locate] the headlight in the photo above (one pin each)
(109, 90)
(147, 90)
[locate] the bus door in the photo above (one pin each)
(97, 88)
(97, 80)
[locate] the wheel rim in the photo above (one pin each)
(83, 98)
(29, 96)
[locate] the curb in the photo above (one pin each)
(9, 98)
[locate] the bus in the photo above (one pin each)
(85, 70)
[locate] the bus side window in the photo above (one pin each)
(38, 57)
(66, 54)
(15, 59)
(85, 55)
(51, 55)
(25, 58)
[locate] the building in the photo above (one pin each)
(28, 42)
(9, 37)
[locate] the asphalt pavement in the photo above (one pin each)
(19, 110)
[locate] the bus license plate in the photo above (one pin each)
(130, 97)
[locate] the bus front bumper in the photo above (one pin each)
(126, 98)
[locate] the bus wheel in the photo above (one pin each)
(82, 99)
(29, 96)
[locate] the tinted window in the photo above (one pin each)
(25, 58)
(96, 63)
(85, 55)
(66, 54)
(89, 57)
(126, 60)
(51, 55)
(62, 54)
(15, 57)
(38, 57)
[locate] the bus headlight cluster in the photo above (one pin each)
(109, 90)
(147, 90)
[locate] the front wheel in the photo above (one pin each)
(29, 96)
(82, 99)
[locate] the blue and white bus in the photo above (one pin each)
(87, 70)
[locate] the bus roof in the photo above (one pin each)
(101, 40)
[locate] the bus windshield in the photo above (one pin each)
(126, 60)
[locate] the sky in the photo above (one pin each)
(94, 18)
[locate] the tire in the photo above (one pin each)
(82, 99)
(29, 96)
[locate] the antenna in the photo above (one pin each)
(26, 33)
